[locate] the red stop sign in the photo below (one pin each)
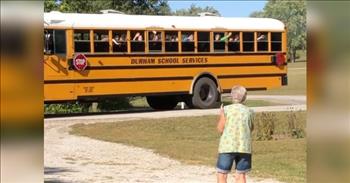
(80, 62)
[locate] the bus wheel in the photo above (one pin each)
(162, 102)
(205, 94)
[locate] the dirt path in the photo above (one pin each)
(70, 158)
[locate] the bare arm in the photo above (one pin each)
(221, 121)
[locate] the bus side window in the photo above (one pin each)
(82, 41)
(187, 41)
(171, 41)
(119, 41)
(233, 42)
(248, 41)
(219, 42)
(276, 41)
(155, 41)
(55, 41)
(137, 41)
(203, 42)
(101, 43)
(262, 41)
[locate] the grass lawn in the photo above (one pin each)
(194, 140)
(296, 82)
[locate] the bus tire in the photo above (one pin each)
(162, 102)
(205, 94)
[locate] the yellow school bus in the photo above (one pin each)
(168, 59)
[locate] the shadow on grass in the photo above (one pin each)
(55, 170)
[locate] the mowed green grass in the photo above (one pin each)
(296, 82)
(194, 140)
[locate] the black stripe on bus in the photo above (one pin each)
(177, 66)
(154, 78)
(250, 75)
(183, 54)
(117, 80)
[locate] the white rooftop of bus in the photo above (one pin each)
(124, 21)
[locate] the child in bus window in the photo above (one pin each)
(138, 37)
(122, 38)
(174, 38)
(225, 37)
(155, 36)
(188, 37)
(104, 37)
(217, 37)
(261, 37)
(236, 39)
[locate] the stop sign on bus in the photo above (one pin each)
(80, 62)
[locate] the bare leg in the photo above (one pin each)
(221, 177)
(240, 178)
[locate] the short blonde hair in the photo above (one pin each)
(238, 94)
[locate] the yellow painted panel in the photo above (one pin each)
(253, 82)
(55, 66)
(109, 88)
(59, 92)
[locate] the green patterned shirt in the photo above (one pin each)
(236, 136)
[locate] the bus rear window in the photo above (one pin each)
(82, 41)
(276, 41)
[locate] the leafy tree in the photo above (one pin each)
(148, 7)
(293, 15)
(257, 14)
(195, 10)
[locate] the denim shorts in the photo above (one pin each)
(243, 162)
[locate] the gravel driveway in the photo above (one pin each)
(70, 158)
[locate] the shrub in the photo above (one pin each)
(295, 127)
(264, 126)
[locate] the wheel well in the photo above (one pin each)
(207, 75)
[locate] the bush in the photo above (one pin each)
(77, 107)
(66, 108)
(295, 128)
(264, 126)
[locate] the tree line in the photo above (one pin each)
(293, 15)
(141, 7)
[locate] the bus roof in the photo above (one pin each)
(123, 21)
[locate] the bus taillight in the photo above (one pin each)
(280, 59)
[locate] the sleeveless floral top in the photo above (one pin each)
(236, 136)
